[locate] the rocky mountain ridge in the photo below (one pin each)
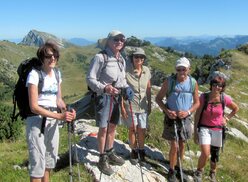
(37, 38)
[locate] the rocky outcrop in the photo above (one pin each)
(36, 38)
(89, 156)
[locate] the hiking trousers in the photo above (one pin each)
(42, 148)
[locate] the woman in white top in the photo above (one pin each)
(42, 125)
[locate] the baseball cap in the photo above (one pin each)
(183, 62)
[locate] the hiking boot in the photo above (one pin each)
(114, 159)
(185, 177)
(142, 157)
(134, 157)
(104, 166)
(198, 176)
(172, 176)
(212, 176)
(178, 174)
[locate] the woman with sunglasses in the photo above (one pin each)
(181, 91)
(209, 121)
(106, 77)
(42, 130)
(138, 77)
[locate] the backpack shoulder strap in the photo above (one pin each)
(41, 80)
(171, 82)
(56, 72)
(206, 98)
(105, 57)
(223, 103)
(192, 83)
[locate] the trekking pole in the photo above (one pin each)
(178, 150)
(136, 137)
(76, 152)
(186, 135)
(69, 143)
(109, 117)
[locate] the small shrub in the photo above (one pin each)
(8, 129)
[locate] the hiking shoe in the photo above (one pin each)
(134, 157)
(185, 177)
(172, 176)
(103, 165)
(212, 176)
(142, 157)
(198, 176)
(114, 159)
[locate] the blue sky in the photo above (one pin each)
(93, 19)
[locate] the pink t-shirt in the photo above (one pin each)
(212, 115)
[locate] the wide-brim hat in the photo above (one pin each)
(101, 43)
(183, 62)
(139, 51)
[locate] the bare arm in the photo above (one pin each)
(60, 102)
(148, 95)
(234, 107)
(159, 99)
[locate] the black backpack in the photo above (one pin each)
(20, 95)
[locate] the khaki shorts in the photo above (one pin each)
(169, 128)
(140, 119)
(42, 148)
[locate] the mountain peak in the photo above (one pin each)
(37, 38)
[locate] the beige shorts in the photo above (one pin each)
(42, 148)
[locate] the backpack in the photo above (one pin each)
(20, 95)
(172, 83)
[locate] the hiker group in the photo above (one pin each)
(122, 93)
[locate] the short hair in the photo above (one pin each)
(42, 52)
(220, 80)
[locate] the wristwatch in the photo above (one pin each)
(189, 113)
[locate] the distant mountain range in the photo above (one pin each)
(80, 41)
(200, 45)
(197, 45)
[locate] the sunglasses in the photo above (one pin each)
(117, 39)
(49, 56)
(217, 84)
(181, 69)
(139, 57)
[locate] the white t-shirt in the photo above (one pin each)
(48, 97)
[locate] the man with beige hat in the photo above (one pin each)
(106, 77)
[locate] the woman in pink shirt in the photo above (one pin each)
(209, 122)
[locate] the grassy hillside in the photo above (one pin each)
(74, 63)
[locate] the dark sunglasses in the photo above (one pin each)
(49, 56)
(117, 39)
(182, 69)
(139, 57)
(217, 84)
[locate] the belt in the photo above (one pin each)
(50, 108)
